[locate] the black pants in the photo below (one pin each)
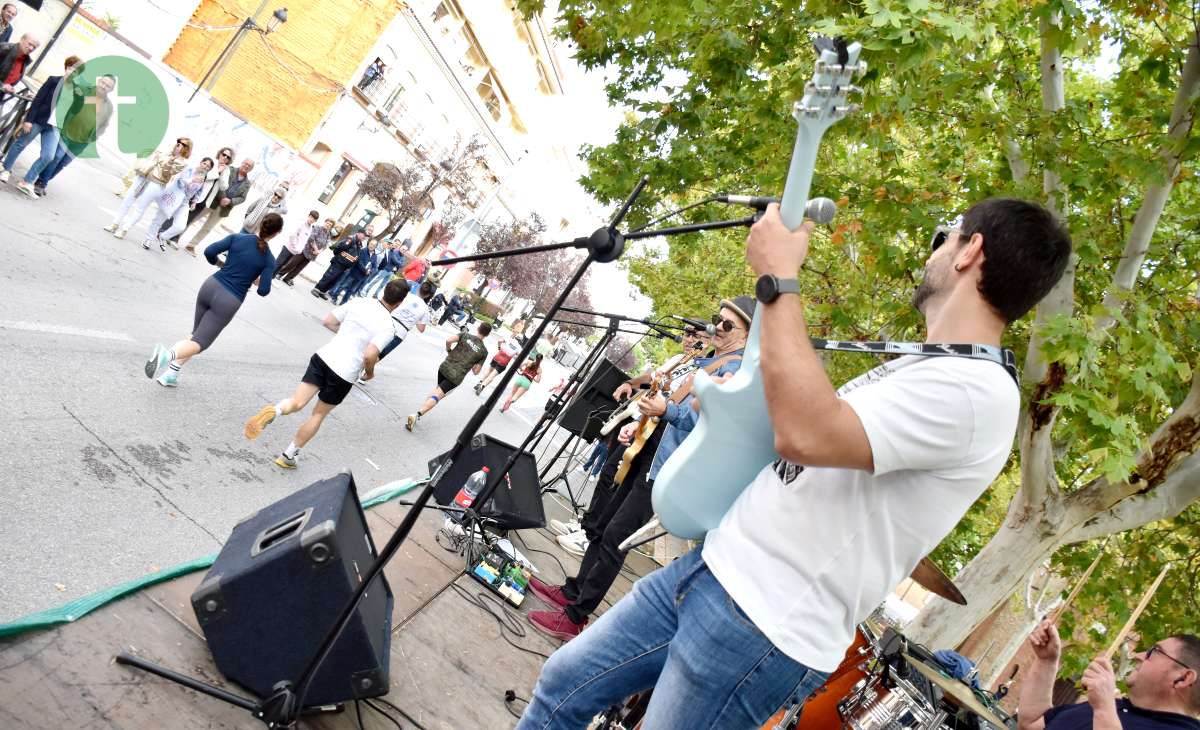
(283, 257)
(627, 510)
(593, 520)
(332, 274)
(292, 267)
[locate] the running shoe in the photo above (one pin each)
(410, 422)
(27, 189)
(478, 388)
(4, 176)
(576, 543)
(283, 461)
(169, 379)
(146, 244)
(110, 228)
(158, 362)
(559, 527)
(162, 245)
(120, 232)
(259, 421)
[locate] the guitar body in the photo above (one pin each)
(622, 414)
(644, 431)
(733, 438)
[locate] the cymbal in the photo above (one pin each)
(956, 690)
(931, 578)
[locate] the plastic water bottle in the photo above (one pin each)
(466, 496)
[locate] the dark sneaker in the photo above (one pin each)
(550, 595)
(556, 624)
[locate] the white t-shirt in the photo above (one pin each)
(365, 321)
(808, 553)
(412, 311)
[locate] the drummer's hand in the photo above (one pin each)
(622, 392)
(1101, 684)
(627, 431)
(1045, 642)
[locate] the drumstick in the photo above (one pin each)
(1058, 612)
(1136, 612)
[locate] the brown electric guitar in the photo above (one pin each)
(646, 424)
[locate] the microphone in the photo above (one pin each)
(820, 210)
(698, 324)
(669, 336)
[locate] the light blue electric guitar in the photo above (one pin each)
(733, 439)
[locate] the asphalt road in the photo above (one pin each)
(106, 476)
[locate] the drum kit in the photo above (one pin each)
(884, 682)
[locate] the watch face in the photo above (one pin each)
(765, 289)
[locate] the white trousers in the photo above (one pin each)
(178, 223)
(137, 204)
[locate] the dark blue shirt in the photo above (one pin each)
(1079, 717)
(243, 264)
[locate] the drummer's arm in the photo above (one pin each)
(1037, 689)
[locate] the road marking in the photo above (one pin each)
(58, 329)
(372, 463)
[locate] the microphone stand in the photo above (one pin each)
(283, 707)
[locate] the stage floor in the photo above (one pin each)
(449, 668)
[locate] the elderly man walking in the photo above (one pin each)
(224, 202)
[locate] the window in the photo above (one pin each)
(393, 98)
(488, 95)
(335, 182)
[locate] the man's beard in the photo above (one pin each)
(922, 294)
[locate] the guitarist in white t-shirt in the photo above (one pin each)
(873, 476)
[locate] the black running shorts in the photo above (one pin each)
(332, 389)
(444, 384)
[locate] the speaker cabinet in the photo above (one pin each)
(585, 415)
(281, 581)
(517, 503)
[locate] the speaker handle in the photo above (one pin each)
(278, 533)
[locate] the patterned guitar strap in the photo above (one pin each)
(1003, 357)
(685, 388)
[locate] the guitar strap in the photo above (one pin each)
(684, 390)
(1003, 357)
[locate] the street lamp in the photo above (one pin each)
(278, 18)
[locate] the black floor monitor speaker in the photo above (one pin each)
(585, 415)
(517, 503)
(280, 582)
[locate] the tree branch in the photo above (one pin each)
(1146, 220)
(1179, 490)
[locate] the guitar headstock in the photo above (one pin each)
(825, 95)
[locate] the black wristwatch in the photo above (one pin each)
(768, 288)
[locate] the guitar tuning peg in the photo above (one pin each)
(852, 89)
(842, 111)
(861, 68)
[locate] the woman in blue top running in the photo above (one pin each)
(248, 260)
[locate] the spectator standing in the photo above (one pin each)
(345, 256)
(276, 202)
(215, 181)
(7, 13)
(14, 60)
(389, 260)
(318, 240)
(158, 171)
(225, 201)
(356, 275)
(294, 244)
(39, 122)
(414, 272)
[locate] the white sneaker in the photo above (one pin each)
(120, 232)
(576, 543)
(110, 228)
(559, 527)
(4, 176)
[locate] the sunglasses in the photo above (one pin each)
(1156, 649)
(941, 234)
(723, 324)
(225, 156)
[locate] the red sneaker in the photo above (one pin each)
(550, 595)
(556, 624)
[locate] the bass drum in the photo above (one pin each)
(820, 710)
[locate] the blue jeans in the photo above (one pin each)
(377, 282)
(49, 147)
(347, 285)
(679, 632)
(65, 155)
(595, 462)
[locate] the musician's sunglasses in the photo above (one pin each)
(1156, 649)
(727, 325)
(941, 234)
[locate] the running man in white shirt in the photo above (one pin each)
(363, 328)
(413, 313)
(872, 478)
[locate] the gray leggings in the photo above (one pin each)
(215, 307)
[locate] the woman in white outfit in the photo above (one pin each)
(158, 171)
(173, 204)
